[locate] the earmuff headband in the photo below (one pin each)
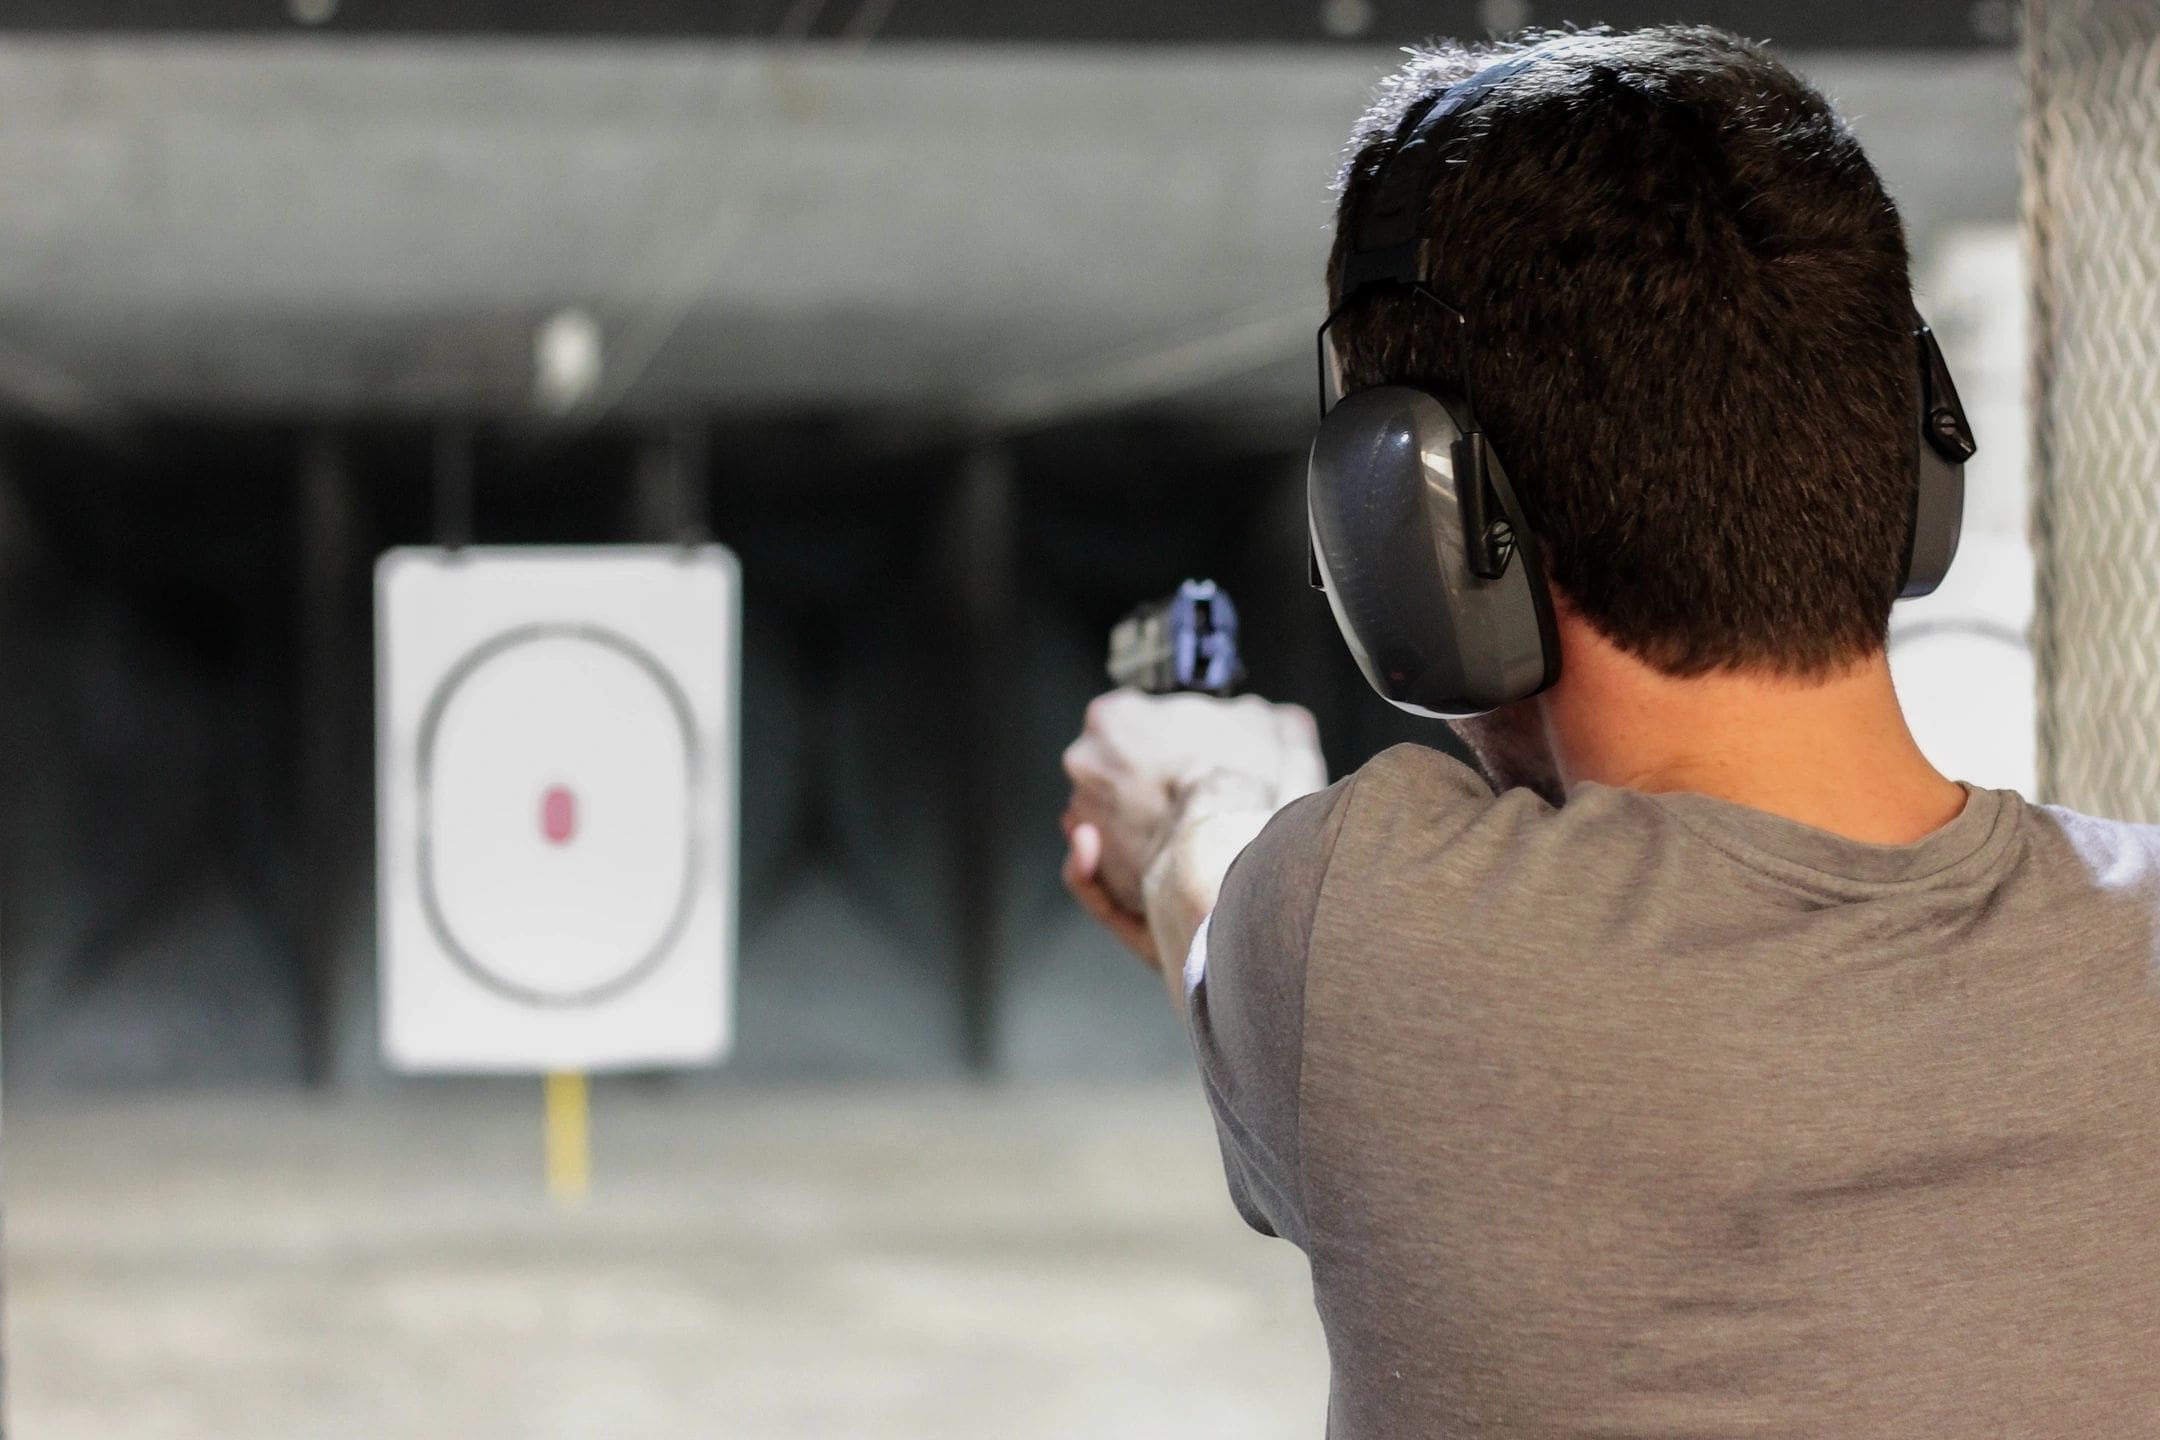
(1386, 246)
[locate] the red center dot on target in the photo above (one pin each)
(558, 814)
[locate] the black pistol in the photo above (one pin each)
(1188, 642)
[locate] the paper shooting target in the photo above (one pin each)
(556, 733)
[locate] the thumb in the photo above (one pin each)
(1086, 853)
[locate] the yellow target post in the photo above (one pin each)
(569, 1137)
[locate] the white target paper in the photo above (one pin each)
(555, 801)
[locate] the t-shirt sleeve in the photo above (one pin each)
(1245, 1006)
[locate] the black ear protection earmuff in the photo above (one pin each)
(1429, 563)
(1946, 443)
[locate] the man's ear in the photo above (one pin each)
(1567, 621)
(1584, 648)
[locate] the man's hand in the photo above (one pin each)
(1166, 791)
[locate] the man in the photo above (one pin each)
(1715, 1066)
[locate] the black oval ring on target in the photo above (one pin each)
(431, 722)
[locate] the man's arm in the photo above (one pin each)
(1218, 815)
(1166, 792)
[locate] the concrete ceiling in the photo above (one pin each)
(991, 236)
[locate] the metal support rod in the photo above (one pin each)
(327, 522)
(672, 499)
(453, 484)
(982, 586)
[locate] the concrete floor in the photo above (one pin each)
(893, 1263)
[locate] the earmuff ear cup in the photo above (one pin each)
(1946, 443)
(1387, 532)
(1938, 516)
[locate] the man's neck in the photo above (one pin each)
(1830, 752)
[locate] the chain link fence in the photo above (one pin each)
(2092, 221)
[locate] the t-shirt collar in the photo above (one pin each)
(1972, 836)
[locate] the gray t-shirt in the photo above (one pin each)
(1659, 1116)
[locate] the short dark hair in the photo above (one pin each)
(1690, 337)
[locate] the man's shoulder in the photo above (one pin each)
(2099, 846)
(1406, 787)
(1422, 769)
(1408, 777)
